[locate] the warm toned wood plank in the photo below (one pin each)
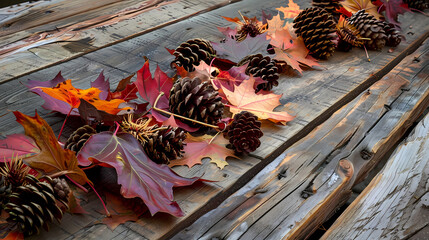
(395, 204)
(46, 47)
(324, 165)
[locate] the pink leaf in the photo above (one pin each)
(17, 145)
(103, 84)
(139, 176)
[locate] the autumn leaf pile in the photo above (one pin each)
(212, 108)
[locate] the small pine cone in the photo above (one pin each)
(196, 100)
(317, 27)
(5, 191)
(192, 52)
(79, 137)
(61, 190)
(263, 67)
(349, 35)
(33, 206)
(393, 37)
(14, 172)
(165, 145)
(244, 132)
(331, 6)
(420, 5)
(251, 28)
(369, 27)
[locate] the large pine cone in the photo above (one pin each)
(317, 28)
(165, 144)
(192, 52)
(79, 137)
(33, 206)
(331, 6)
(263, 67)
(244, 132)
(393, 38)
(61, 190)
(369, 27)
(417, 4)
(196, 100)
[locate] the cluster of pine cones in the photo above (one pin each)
(31, 203)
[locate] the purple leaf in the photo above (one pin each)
(102, 84)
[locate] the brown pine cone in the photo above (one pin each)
(196, 100)
(5, 191)
(192, 52)
(165, 145)
(393, 36)
(420, 5)
(79, 137)
(348, 34)
(61, 190)
(331, 6)
(263, 67)
(244, 132)
(317, 27)
(369, 27)
(33, 206)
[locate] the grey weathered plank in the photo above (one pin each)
(324, 165)
(395, 204)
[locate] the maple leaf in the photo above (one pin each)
(244, 98)
(53, 159)
(65, 91)
(296, 55)
(50, 103)
(17, 146)
(274, 24)
(235, 51)
(88, 111)
(102, 84)
(198, 148)
(137, 174)
(356, 5)
(150, 87)
(393, 8)
(291, 11)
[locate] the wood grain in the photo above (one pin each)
(395, 204)
(305, 185)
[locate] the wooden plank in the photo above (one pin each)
(395, 204)
(31, 52)
(305, 185)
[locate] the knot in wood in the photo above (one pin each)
(365, 154)
(346, 167)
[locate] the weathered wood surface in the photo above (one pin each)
(313, 97)
(306, 184)
(395, 204)
(34, 46)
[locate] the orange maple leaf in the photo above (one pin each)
(274, 24)
(65, 91)
(198, 148)
(262, 105)
(296, 54)
(53, 160)
(291, 11)
(356, 5)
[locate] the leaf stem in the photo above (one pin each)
(213, 138)
(117, 128)
(182, 117)
(77, 184)
(102, 202)
(64, 123)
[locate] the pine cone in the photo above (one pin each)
(263, 67)
(14, 172)
(33, 206)
(192, 52)
(79, 137)
(348, 34)
(393, 37)
(369, 27)
(317, 28)
(61, 190)
(251, 28)
(417, 4)
(331, 6)
(5, 191)
(161, 144)
(244, 132)
(165, 145)
(196, 100)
